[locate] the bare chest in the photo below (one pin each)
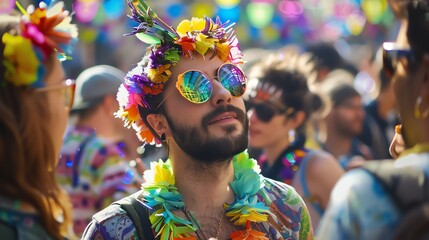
(211, 225)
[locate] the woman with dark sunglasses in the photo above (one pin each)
(364, 206)
(35, 100)
(279, 104)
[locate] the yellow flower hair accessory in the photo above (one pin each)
(43, 31)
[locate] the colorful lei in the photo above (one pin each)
(159, 192)
(148, 79)
(43, 30)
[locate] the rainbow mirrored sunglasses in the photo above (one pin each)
(196, 87)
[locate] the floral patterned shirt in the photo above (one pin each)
(289, 217)
(360, 208)
(94, 173)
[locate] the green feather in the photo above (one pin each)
(148, 38)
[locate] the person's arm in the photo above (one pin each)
(323, 172)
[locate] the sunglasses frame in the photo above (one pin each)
(210, 79)
(392, 54)
(68, 83)
(278, 110)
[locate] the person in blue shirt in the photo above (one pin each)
(360, 207)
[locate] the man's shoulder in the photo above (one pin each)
(112, 212)
(285, 203)
(272, 185)
(112, 222)
(280, 193)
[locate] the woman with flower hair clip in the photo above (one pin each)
(34, 103)
(280, 104)
(186, 94)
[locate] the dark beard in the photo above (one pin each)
(197, 143)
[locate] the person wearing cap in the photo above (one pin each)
(186, 94)
(92, 166)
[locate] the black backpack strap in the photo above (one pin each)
(139, 214)
(408, 186)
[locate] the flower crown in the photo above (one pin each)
(43, 30)
(148, 79)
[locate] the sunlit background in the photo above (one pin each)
(265, 24)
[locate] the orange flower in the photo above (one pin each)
(248, 234)
(186, 238)
(146, 136)
(188, 45)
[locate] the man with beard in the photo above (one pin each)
(343, 124)
(186, 95)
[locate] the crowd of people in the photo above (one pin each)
(194, 142)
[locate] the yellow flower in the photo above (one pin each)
(160, 173)
(160, 74)
(196, 24)
(204, 43)
(20, 60)
(222, 50)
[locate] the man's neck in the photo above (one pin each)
(337, 144)
(203, 186)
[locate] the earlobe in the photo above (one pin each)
(158, 123)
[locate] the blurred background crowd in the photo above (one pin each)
(355, 27)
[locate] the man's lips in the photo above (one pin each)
(223, 116)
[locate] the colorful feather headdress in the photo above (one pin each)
(43, 31)
(198, 35)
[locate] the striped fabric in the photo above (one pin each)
(94, 173)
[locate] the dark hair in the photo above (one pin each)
(339, 94)
(418, 27)
(290, 73)
(325, 56)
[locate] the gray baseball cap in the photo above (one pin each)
(94, 83)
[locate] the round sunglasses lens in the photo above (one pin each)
(264, 113)
(194, 86)
(232, 79)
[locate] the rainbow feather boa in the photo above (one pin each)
(161, 193)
